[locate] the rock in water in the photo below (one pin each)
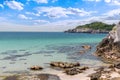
(109, 48)
(86, 47)
(36, 67)
(64, 64)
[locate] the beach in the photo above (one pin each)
(20, 51)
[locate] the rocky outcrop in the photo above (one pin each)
(109, 48)
(64, 64)
(106, 73)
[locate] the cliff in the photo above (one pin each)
(109, 48)
(95, 27)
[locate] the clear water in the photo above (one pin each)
(20, 50)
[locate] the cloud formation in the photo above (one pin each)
(58, 12)
(14, 5)
(21, 16)
(112, 2)
(1, 6)
(39, 1)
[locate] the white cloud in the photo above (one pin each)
(116, 2)
(21, 16)
(32, 13)
(112, 2)
(39, 1)
(14, 5)
(54, 12)
(1, 6)
(112, 13)
(58, 12)
(80, 12)
(93, 0)
(40, 21)
(107, 1)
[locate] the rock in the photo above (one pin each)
(83, 68)
(64, 64)
(33, 77)
(86, 47)
(109, 48)
(95, 76)
(36, 68)
(75, 70)
(11, 78)
(117, 65)
(82, 51)
(116, 78)
(48, 77)
(111, 66)
(99, 69)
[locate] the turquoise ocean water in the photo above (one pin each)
(20, 50)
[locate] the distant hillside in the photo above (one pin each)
(94, 27)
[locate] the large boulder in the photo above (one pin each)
(109, 48)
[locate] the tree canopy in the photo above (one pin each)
(97, 26)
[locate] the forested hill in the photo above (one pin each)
(94, 27)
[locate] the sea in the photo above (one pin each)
(21, 50)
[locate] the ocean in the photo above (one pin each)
(21, 50)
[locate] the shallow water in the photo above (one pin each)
(20, 50)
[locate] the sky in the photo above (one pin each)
(55, 15)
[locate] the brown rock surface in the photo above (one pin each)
(109, 48)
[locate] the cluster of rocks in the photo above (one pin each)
(107, 73)
(64, 64)
(69, 68)
(75, 70)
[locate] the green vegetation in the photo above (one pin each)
(97, 26)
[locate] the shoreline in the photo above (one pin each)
(60, 73)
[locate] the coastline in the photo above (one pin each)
(54, 53)
(84, 30)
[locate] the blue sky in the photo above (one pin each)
(55, 15)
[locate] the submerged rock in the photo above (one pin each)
(82, 51)
(86, 47)
(109, 48)
(64, 64)
(36, 68)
